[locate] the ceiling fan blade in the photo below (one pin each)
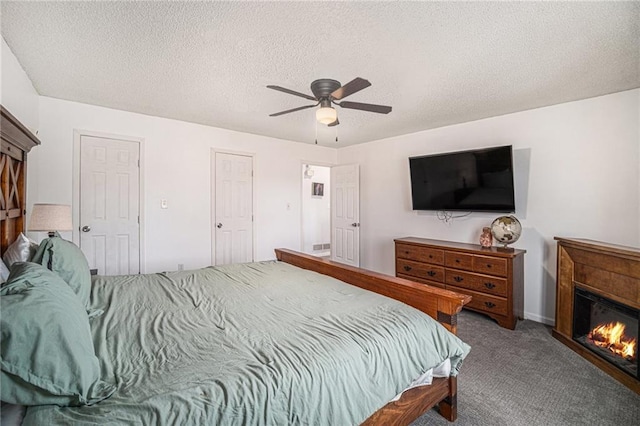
(292, 110)
(381, 109)
(350, 88)
(292, 92)
(335, 123)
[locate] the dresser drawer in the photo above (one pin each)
(494, 279)
(458, 260)
(420, 270)
(421, 281)
(420, 254)
(490, 265)
(482, 283)
(483, 302)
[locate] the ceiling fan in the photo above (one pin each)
(326, 92)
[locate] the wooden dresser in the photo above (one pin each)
(494, 277)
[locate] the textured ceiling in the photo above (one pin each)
(436, 63)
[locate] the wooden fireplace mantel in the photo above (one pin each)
(608, 270)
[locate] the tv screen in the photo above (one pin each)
(478, 180)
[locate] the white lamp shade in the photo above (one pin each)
(326, 115)
(51, 217)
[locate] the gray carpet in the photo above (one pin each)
(526, 377)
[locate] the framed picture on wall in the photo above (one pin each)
(317, 189)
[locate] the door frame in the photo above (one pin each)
(319, 164)
(77, 136)
(212, 192)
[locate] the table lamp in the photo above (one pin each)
(51, 218)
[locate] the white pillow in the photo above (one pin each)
(22, 250)
(4, 272)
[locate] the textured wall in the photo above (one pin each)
(176, 167)
(16, 91)
(576, 175)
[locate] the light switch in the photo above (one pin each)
(163, 204)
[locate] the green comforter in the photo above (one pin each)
(262, 343)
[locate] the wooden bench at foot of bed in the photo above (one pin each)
(443, 305)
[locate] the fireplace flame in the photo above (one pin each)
(611, 336)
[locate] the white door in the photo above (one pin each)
(345, 214)
(233, 219)
(110, 204)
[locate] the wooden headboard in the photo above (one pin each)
(17, 141)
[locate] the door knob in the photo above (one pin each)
(355, 224)
(86, 228)
(219, 225)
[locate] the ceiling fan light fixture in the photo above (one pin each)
(326, 115)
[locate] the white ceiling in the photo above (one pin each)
(436, 63)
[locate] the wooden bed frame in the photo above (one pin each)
(17, 141)
(443, 305)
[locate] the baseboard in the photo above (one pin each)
(540, 319)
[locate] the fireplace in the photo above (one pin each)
(598, 305)
(607, 328)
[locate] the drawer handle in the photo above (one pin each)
(489, 305)
(430, 256)
(489, 285)
(406, 252)
(457, 260)
(488, 265)
(431, 273)
(407, 268)
(458, 279)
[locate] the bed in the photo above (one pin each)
(298, 340)
(16, 142)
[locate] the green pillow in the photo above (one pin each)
(47, 354)
(67, 260)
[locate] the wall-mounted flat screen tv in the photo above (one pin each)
(479, 180)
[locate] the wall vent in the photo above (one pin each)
(324, 246)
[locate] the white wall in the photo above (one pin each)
(177, 168)
(577, 175)
(316, 213)
(21, 99)
(17, 93)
